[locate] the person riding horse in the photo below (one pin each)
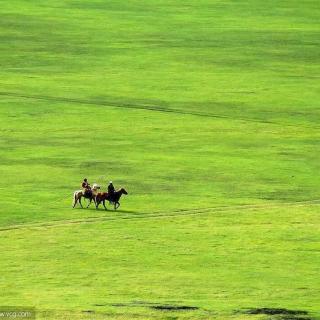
(86, 192)
(93, 194)
(102, 197)
(86, 186)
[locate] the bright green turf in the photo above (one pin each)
(207, 112)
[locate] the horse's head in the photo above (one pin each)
(123, 190)
(95, 187)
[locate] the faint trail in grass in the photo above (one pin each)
(163, 109)
(157, 215)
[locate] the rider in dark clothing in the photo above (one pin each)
(111, 190)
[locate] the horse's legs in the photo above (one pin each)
(97, 204)
(116, 205)
(104, 204)
(80, 202)
(89, 203)
(75, 200)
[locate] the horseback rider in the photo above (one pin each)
(111, 190)
(86, 186)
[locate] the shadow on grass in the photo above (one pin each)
(279, 313)
(103, 210)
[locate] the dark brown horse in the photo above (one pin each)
(112, 198)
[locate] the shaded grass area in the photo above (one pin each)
(246, 59)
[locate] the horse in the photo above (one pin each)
(88, 194)
(114, 198)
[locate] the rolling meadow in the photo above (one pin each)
(207, 113)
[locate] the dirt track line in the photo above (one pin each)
(157, 215)
(162, 109)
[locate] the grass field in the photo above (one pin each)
(207, 112)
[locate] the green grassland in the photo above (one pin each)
(207, 112)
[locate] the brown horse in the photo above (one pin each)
(113, 198)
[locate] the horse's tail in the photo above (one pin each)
(74, 199)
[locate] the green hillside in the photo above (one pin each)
(207, 112)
